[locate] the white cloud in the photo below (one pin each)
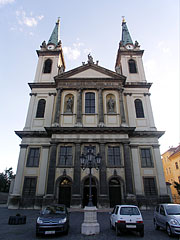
(71, 53)
(3, 2)
(28, 21)
(164, 47)
(76, 50)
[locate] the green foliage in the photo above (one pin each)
(5, 179)
(177, 187)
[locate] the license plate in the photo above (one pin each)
(131, 226)
(49, 232)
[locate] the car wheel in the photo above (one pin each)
(117, 230)
(156, 226)
(37, 234)
(66, 232)
(168, 230)
(141, 233)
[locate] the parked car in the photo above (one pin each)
(167, 216)
(53, 219)
(126, 218)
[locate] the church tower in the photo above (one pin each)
(89, 109)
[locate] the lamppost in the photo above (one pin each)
(90, 160)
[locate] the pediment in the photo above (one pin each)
(90, 71)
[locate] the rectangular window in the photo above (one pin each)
(114, 156)
(33, 157)
(90, 102)
(65, 156)
(150, 186)
(146, 158)
(29, 188)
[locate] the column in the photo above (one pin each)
(122, 113)
(103, 197)
(51, 170)
(128, 170)
(149, 110)
(58, 106)
(30, 111)
(79, 109)
(136, 170)
(76, 196)
(160, 172)
(49, 109)
(100, 108)
(43, 170)
(131, 110)
(20, 170)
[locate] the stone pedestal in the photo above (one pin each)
(90, 226)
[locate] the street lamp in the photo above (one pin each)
(90, 160)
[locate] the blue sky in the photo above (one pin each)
(87, 26)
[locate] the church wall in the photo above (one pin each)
(46, 77)
(133, 77)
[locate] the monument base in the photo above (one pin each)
(90, 226)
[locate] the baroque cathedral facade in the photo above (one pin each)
(89, 107)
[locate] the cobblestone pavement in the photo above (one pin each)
(27, 231)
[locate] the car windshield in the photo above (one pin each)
(173, 209)
(54, 210)
(129, 211)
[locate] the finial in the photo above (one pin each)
(58, 21)
(123, 19)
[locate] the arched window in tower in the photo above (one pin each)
(90, 102)
(47, 66)
(132, 66)
(139, 108)
(41, 108)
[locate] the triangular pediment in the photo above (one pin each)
(90, 71)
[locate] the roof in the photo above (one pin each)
(176, 150)
(126, 37)
(55, 36)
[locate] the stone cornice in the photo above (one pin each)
(147, 134)
(89, 130)
(137, 85)
(42, 85)
(48, 53)
(39, 134)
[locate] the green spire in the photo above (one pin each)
(55, 36)
(126, 37)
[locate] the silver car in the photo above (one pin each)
(167, 216)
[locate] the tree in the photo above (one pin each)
(5, 179)
(177, 187)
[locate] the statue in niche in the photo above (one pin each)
(69, 105)
(111, 105)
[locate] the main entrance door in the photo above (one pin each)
(86, 192)
(114, 192)
(65, 192)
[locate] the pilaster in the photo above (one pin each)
(79, 108)
(100, 107)
(128, 170)
(51, 170)
(58, 106)
(76, 197)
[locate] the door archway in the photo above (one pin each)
(65, 192)
(86, 192)
(114, 192)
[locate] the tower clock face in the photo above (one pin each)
(129, 47)
(50, 47)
